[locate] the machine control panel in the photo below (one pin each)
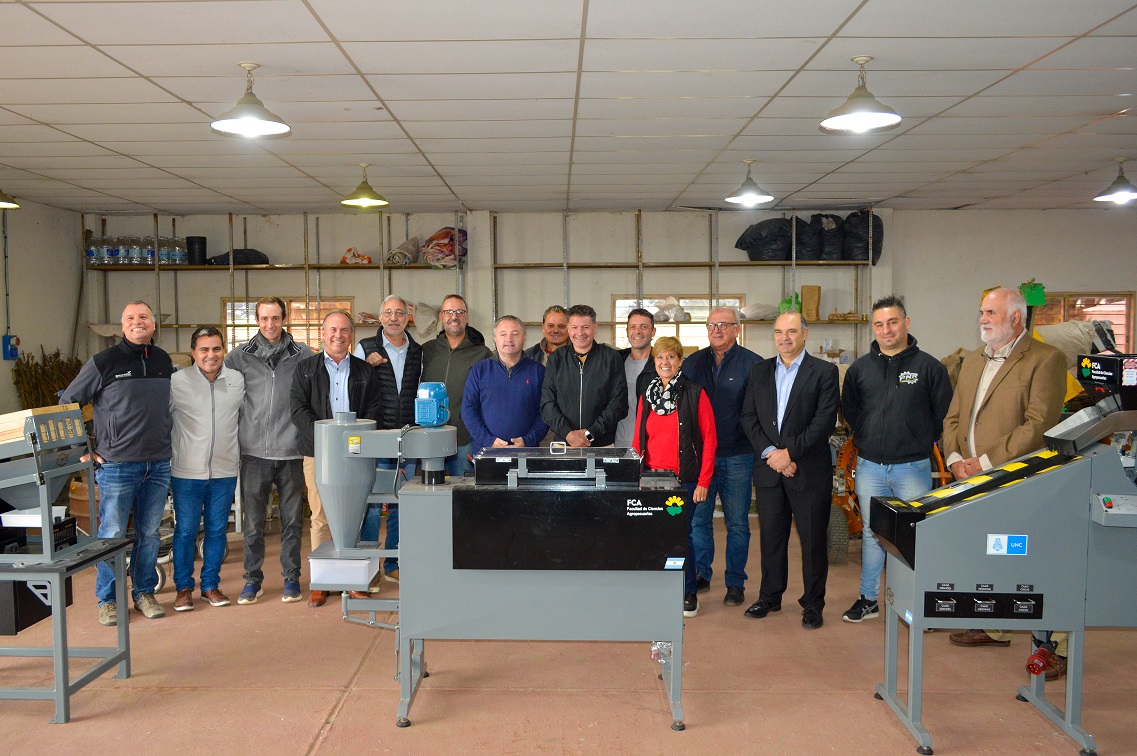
(1116, 510)
(961, 604)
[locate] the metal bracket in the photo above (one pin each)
(42, 591)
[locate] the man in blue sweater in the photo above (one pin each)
(501, 403)
(722, 370)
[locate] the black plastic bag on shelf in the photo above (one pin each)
(241, 257)
(857, 236)
(808, 240)
(767, 241)
(831, 230)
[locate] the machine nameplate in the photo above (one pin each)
(945, 586)
(985, 587)
(1025, 587)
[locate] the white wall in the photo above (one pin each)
(45, 267)
(944, 259)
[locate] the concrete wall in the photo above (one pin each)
(45, 268)
(939, 261)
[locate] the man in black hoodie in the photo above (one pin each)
(894, 398)
(129, 386)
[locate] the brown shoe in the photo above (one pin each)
(975, 638)
(318, 598)
(359, 594)
(215, 597)
(184, 601)
(1055, 668)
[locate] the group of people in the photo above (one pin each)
(722, 419)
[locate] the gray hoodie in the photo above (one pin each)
(266, 417)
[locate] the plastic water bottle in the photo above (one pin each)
(165, 251)
(114, 252)
(181, 255)
(91, 254)
(148, 250)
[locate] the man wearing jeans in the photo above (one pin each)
(270, 448)
(894, 398)
(722, 370)
(129, 386)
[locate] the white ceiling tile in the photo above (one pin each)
(460, 128)
(725, 19)
(682, 84)
(696, 55)
(32, 133)
(335, 112)
(188, 59)
(474, 86)
(107, 113)
(639, 169)
(970, 126)
(227, 21)
(974, 154)
(139, 132)
(354, 20)
(922, 141)
(981, 18)
(654, 127)
(481, 110)
(1088, 106)
(1126, 25)
(1092, 53)
(63, 62)
(511, 145)
(633, 143)
(1118, 124)
(343, 130)
(913, 53)
(819, 107)
(1055, 83)
(348, 147)
(499, 158)
(887, 85)
(761, 144)
(22, 26)
(24, 91)
(669, 107)
(218, 93)
(659, 156)
(467, 57)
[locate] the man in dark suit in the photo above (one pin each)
(788, 413)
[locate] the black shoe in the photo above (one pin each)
(690, 605)
(862, 610)
(703, 585)
(734, 596)
(811, 619)
(760, 609)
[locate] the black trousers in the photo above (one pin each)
(810, 511)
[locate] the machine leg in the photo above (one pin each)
(1070, 720)
(672, 675)
(62, 691)
(909, 714)
(119, 566)
(412, 669)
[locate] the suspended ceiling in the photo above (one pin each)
(518, 105)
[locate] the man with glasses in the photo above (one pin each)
(270, 447)
(554, 327)
(585, 393)
(397, 360)
(448, 359)
(722, 369)
(639, 368)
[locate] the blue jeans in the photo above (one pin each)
(126, 488)
(457, 464)
(371, 521)
(907, 481)
(195, 501)
(731, 483)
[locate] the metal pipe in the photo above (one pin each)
(565, 255)
(319, 298)
(307, 297)
(640, 258)
(493, 264)
(7, 288)
(232, 317)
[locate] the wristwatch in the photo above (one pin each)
(588, 435)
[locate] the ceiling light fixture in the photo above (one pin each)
(7, 203)
(862, 113)
(749, 194)
(249, 117)
(1121, 190)
(364, 195)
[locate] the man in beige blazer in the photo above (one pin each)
(1009, 393)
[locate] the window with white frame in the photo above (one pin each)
(303, 321)
(692, 334)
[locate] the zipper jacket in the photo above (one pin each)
(129, 386)
(205, 423)
(726, 393)
(266, 429)
(591, 394)
(896, 405)
(452, 367)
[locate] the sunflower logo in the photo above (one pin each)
(674, 505)
(1086, 366)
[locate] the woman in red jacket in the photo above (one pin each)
(675, 430)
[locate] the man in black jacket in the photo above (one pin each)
(397, 360)
(894, 398)
(788, 413)
(585, 393)
(328, 382)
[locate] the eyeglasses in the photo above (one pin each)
(720, 326)
(393, 313)
(453, 312)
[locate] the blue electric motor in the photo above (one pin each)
(432, 404)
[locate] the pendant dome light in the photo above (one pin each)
(861, 113)
(249, 117)
(364, 196)
(749, 194)
(7, 203)
(1121, 190)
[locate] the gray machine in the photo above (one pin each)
(538, 546)
(1047, 542)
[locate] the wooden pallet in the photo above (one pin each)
(12, 424)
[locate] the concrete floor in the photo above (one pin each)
(288, 679)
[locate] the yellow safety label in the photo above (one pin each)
(354, 444)
(1046, 454)
(938, 510)
(1012, 466)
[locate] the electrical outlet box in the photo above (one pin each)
(11, 347)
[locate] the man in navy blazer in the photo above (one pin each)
(788, 413)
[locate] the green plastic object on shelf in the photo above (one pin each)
(790, 303)
(1033, 293)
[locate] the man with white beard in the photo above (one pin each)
(1009, 394)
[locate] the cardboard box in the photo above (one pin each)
(811, 303)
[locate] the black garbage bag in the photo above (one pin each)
(808, 240)
(857, 236)
(831, 229)
(241, 257)
(767, 241)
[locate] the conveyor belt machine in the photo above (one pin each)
(1047, 542)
